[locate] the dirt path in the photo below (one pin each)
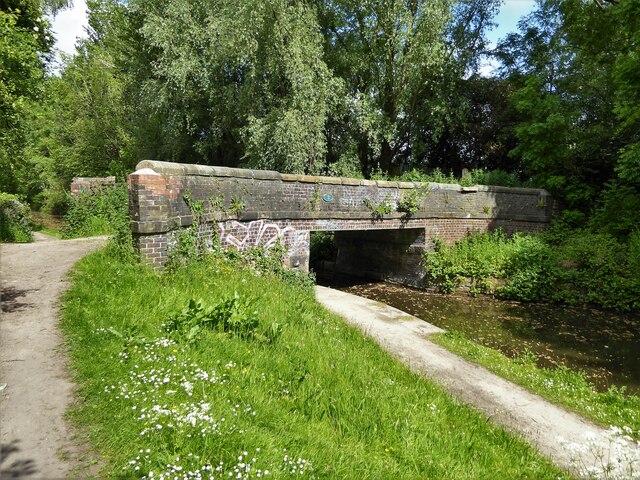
(35, 388)
(540, 422)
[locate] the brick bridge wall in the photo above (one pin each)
(86, 184)
(285, 208)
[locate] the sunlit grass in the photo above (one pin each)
(319, 401)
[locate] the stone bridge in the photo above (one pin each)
(382, 228)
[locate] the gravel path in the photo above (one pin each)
(35, 387)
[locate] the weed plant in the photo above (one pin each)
(316, 399)
(476, 176)
(15, 220)
(560, 385)
(575, 267)
(100, 211)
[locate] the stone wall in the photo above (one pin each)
(86, 184)
(248, 208)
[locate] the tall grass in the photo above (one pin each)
(315, 400)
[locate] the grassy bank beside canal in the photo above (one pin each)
(226, 371)
(560, 385)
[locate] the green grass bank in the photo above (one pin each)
(256, 380)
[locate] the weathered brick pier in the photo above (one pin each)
(249, 208)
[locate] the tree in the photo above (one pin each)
(401, 62)
(23, 43)
(627, 101)
(222, 81)
(563, 63)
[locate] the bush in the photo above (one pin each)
(15, 219)
(479, 257)
(475, 177)
(55, 201)
(496, 177)
(617, 213)
(101, 211)
(567, 266)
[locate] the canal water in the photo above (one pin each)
(604, 345)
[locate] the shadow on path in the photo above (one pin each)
(9, 299)
(11, 467)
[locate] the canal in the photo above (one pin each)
(605, 346)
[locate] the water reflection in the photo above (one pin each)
(605, 346)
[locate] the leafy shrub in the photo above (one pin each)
(101, 211)
(617, 214)
(322, 246)
(271, 261)
(15, 219)
(479, 257)
(411, 201)
(600, 272)
(579, 267)
(55, 201)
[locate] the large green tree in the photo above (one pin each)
(564, 60)
(224, 82)
(403, 63)
(24, 44)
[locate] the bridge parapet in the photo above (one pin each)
(249, 208)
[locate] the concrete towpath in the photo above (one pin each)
(36, 391)
(590, 448)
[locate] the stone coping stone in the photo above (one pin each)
(184, 169)
(111, 179)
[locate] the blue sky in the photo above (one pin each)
(507, 20)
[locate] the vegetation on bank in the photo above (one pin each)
(100, 211)
(15, 219)
(560, 385)
(221, 369)
(565, 266)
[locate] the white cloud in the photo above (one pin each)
(69, 25)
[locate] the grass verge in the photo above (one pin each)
(559, 385)
(48, 224)
(255, 380)
(52, 233)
